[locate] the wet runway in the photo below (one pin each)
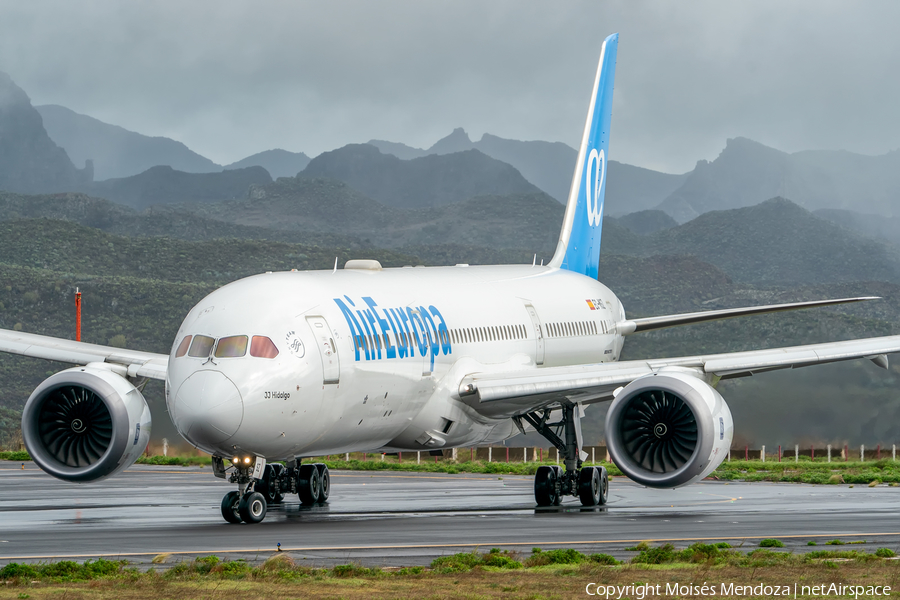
(410, 518)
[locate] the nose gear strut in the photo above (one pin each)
(261, 485)
(590, 484)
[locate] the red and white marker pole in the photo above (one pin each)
(77, 315)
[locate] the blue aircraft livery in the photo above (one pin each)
(589, 186)
(415, 330)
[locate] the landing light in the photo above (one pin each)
(235, 460)
(247, 460)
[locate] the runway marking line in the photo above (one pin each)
(427, 546)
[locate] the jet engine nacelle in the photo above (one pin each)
(85, 423)
(668, 429)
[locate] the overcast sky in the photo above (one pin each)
(233, 78)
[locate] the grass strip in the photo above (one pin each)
(874, 472)
(497, 573)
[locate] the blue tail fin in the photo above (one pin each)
(579, 240)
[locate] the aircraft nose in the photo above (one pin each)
(208, 408)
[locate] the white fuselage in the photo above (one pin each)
(371, 359)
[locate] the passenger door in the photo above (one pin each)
(538, 334)
(331, 364)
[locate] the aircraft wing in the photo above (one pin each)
(513, 393)
(650, 323)
(138, 364)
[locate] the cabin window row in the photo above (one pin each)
(233, 346)
(495, 333)
(575, 329)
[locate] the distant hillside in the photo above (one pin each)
(117, 152)
(886, 228)
(631, 189)
(71, 248)
(432, 180)
(160, 220)
(165, 185)
(306, 204)
(550, 166)
(746, 173)
(645, 222)
(779, 242)
(29, 160)
(279, 163)
(517, 221)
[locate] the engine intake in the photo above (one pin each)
(668, 429)
(85, 423)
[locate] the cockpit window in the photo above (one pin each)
(231, 347)
(183, 347)
(262, 347)
(201, 346)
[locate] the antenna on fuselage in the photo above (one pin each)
(534, 260)
(335, 264)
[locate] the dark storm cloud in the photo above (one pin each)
(230, 79)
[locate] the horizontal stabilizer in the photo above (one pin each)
(650, 323)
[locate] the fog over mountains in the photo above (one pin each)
(148, 227)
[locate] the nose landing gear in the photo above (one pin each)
(590, 484)
(261, 485)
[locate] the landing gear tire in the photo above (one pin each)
(604, 485)
(230, 507)
(308, 484)
(324, 482)
(545, 486)
(252, 507)
(268, 485)
(589, 486)
(559, 479)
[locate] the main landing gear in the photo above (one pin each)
(261, 485)
(590, 484)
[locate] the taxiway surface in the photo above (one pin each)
(395, 518)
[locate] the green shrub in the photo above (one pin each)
(811, 543)
(656, 556)
(603, 559)
(771, 543)
(698, 553)
(15, 570)
(205, 564)
(179, 569)
(639, 547)
(15, 455)
(501, 560)
(762, 557)
(456, 563)
(102, 568)
(556, 557)
(233, 568)
(64, 569)
(835, 543)
(885, 553)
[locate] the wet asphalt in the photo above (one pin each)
(401, 519)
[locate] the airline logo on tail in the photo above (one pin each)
(595, 178)
(579, 240)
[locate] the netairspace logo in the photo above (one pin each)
(646, 590)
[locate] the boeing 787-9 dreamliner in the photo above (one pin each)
(277, 367)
